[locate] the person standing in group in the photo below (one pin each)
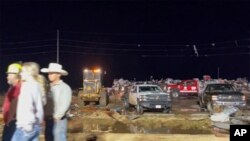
(48, 113)
(48, 108)
(62, 95)
(29, 106)
(10, 100)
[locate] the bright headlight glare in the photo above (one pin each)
(214, 97)
(143, 99)
(243, 98)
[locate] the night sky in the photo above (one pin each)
(127, 39)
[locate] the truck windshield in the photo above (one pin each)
(89, 87)
(221, 88)
(149, 89)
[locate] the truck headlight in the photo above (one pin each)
(169, 98)
(243, 98)
(143, 98)
(214, 97)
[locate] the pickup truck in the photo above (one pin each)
(184, 87)
(148, 96)
(218, 95)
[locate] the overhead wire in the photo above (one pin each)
(149, 55)
(155, 56)
(127, 44)
(31, 53)
(23, 42)
(153, 45)
(26, 47)
(122, 44)
(158, 34)
(149, 50)
(111, 46)
(125, 49)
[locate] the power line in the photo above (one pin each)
(114, 49)
(150, 50)
(91, 53)
(223, 42)
(126, 44)
(116, 34)
(210, 55)
(185, 49)
(142, 55)
(33, 53)
(23, 42)
(26, 47)
(130, 44)
(155, 45)
(159, 55)
(102, 43)
(124, 49)
(148, 34)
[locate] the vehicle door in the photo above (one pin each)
(184, 86)
(133, 95)
(181, 86)
(190, 85)
(206, 96)
(193, 85)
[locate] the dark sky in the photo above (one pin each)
(129, 39)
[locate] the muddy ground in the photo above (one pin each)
(185, 121)
(112, 122)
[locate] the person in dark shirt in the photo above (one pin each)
(10, 100)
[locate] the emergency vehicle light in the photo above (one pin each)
(97, 70)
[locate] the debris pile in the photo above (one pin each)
(224, 115)
(229, 116)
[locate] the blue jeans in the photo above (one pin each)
(21, 135)
(49, 124)
(60, 130)
(9, 130)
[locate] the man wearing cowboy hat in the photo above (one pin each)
(62, 95)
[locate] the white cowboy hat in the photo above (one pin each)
(54, 67)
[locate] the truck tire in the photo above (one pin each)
(139, 109)
(80, 102)
(210, 108)
(167, 110)
(125, 103)
(175, 93)
(103, 101)
(201, 104)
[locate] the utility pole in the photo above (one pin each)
(57, 49)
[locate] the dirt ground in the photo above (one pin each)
(146, 137)
(185, 122)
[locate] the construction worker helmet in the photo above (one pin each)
(14, 68)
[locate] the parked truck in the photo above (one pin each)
(92, 90)
(148, 97)
(184, 87)
(217, 96)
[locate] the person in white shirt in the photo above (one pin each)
(29, 107)
(62, 95)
